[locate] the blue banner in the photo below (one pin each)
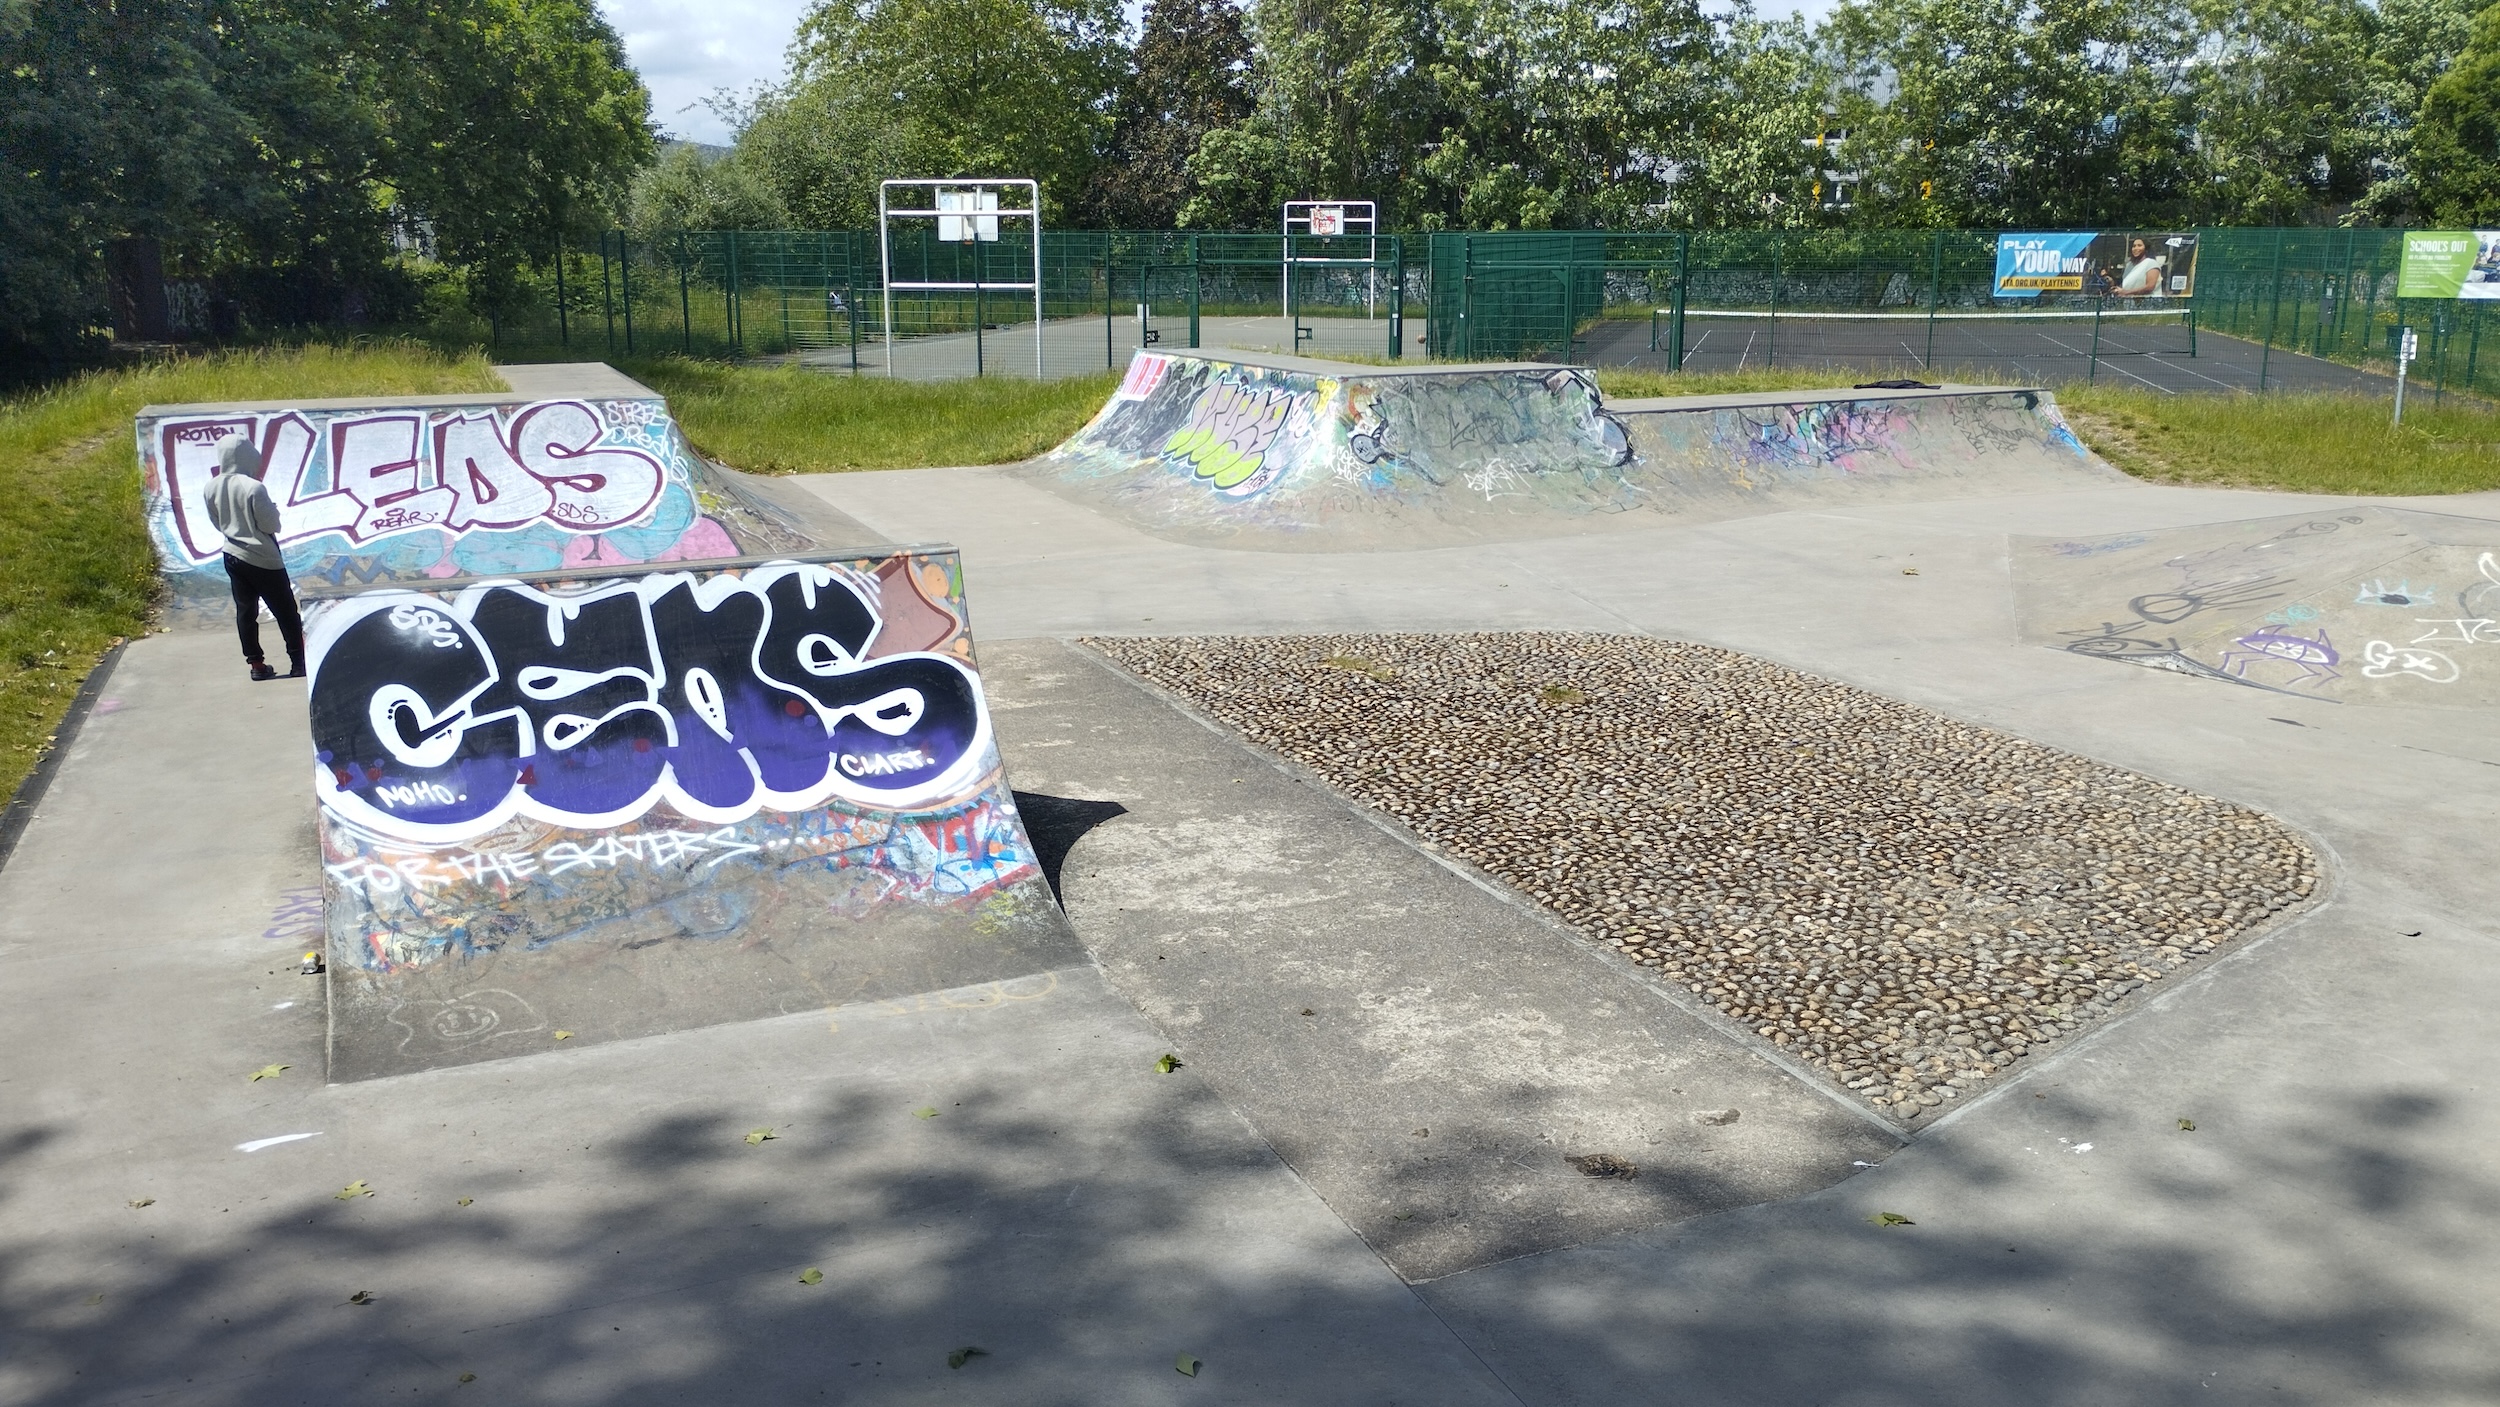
(2031, 264)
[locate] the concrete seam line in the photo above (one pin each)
(1573, 941)
(30, 792)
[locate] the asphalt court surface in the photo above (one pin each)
(2148, 352)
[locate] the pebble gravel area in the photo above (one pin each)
(1910, 903)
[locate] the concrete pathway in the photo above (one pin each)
(2326, 1235)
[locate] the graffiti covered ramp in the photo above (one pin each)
(421, 488)
(2364, 605)
(606, 804)
(1283, 453)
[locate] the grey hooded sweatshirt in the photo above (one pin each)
(240, 507)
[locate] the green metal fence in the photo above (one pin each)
(2332, 294)
(818, 298)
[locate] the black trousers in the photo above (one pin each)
(253, 585)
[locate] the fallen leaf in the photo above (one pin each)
(564, 1035)
(466, 1201)
(361, 1297)
(1168, 1063)
(1186, 1366)
(95, 1299)
(2187, 1126)
(137, 1202)
(269, 1072)
(1308, 1012)
(965, 1355)
(924, 1113)
(759, 1135)
(1891, 1219)
(1909, 571)
(1605, 1165)
(352, 1191)
(468, 1377)
(812, 1276)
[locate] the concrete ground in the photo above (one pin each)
(2326, 1234)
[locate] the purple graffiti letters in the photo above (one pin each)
(719, 695)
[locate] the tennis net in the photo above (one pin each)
(1721, 339)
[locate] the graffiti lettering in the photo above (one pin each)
(2382, 660)
(1230, 431)
(437, 721)
(384, 474)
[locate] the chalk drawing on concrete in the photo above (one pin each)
(2414, 596)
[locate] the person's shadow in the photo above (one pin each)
(1057, 823)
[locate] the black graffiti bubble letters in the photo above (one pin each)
(734, 727)
(395, 722)
(580, 673)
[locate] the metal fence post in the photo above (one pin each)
(564, 325)
(1397, 297)
(1683, 296)
(1935, 290)
(1196, 292)
(1109, 359)
(2274, 317)
(685, 297)
(1771, 346)
(625, 285)
(736, 321)
(1467, 297)
(607, 295)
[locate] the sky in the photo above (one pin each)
(687, 50)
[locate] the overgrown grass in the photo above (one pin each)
(784, 420)
(2306, 443)
(76, 571)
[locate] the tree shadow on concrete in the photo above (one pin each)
(2342, 1260)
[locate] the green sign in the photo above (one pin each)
(2450, 264)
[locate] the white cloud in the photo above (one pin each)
(688, 49)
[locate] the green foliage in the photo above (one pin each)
(515, 126)
(1998, 113)
(80, 571)
(889, 88)
(686, 190)
(2455, 155)
(262, 146)
(1189, 78)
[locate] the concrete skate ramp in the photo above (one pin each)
(1286, 453)
(620, 802)
(2359, 605)
(420, 488)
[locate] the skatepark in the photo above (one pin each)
(987, 951)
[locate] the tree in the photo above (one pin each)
(2412, 42)
(892, 88)
(687, 190)
(1190, 77)
(1998, 113)
(515, 128)
(2276, 87)
(2455, 152)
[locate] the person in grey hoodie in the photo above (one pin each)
(243, 513)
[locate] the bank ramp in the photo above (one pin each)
(586, 469)
(602, 803)
(2364, 605)
(1286, 453)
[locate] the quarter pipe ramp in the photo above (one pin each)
(1286, 453)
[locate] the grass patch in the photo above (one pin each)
(784, 420)
(2301, 442)
(80, 574)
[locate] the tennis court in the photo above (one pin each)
(2160, 349)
